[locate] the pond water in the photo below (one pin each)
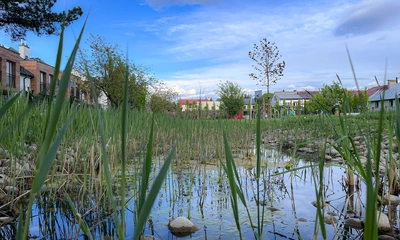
(200, 192)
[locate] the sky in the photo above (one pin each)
(192, 45)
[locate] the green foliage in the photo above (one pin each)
(358, 102)
(159, 104)
(232, 96)
(19, 17)
(162, 99)
(333, 98)
(106, 63)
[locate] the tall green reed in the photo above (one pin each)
(48, 150)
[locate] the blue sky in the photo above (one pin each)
(194, 44)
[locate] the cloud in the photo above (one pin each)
(159, 4)
(369, 16)
(206, 45)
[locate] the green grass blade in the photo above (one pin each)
(60, 99)
(16, 122)
(82, 223)
(55, 77)
(147, 162)
(124, 132)
(8, 104)
(44, 152)
(41, 174)
(232, 183)
(148, 204)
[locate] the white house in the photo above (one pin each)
(389, 97)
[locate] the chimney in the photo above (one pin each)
(23, 49)
(391, 83)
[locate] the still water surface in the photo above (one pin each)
(200, 192)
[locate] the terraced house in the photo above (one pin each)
(19, 71)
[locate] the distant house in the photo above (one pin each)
(389, 95)
(249, 112)
(291, 99)
(19, 71)
(190, 104)
(9, 69)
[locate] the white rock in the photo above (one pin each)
(383, 223)
(394, 200)
(182, 226)
(32, 148)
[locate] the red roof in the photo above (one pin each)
(373, 90)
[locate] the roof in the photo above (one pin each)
(287, 95)
(37, 60)
(306, 94)
(25, 72)
(247, 100)
(388, 94)
(373, 90)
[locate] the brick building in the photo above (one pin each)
(9, 69)
(19, 71)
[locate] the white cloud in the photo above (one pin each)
(213, 43)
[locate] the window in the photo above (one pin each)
(10, 74)
(377, 104)
(42, 82)
(391, 103)
(50, 80)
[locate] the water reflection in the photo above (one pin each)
(200, 192)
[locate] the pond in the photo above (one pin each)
(200, 192)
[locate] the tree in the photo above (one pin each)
(329, 98)
(358, 101)
(162, 99)
(268, 68)
(107, 66)
(231, 95)
(19, 17)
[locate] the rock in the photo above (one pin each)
(147, 237)
(323, 204)
(337, 160)
(330, 219)
(4, 180)
(355, 223)
(383, 223)
(272, 209)
(357, 138)
(302, 220)
(394, 200)
(28, 169)
(6, 219)
(11, 189)
(305, 150)
(332, 213)
(332, 151)
(182, 226)
(328, 158)
(386, 237)
(363, 160)
(32, 148)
